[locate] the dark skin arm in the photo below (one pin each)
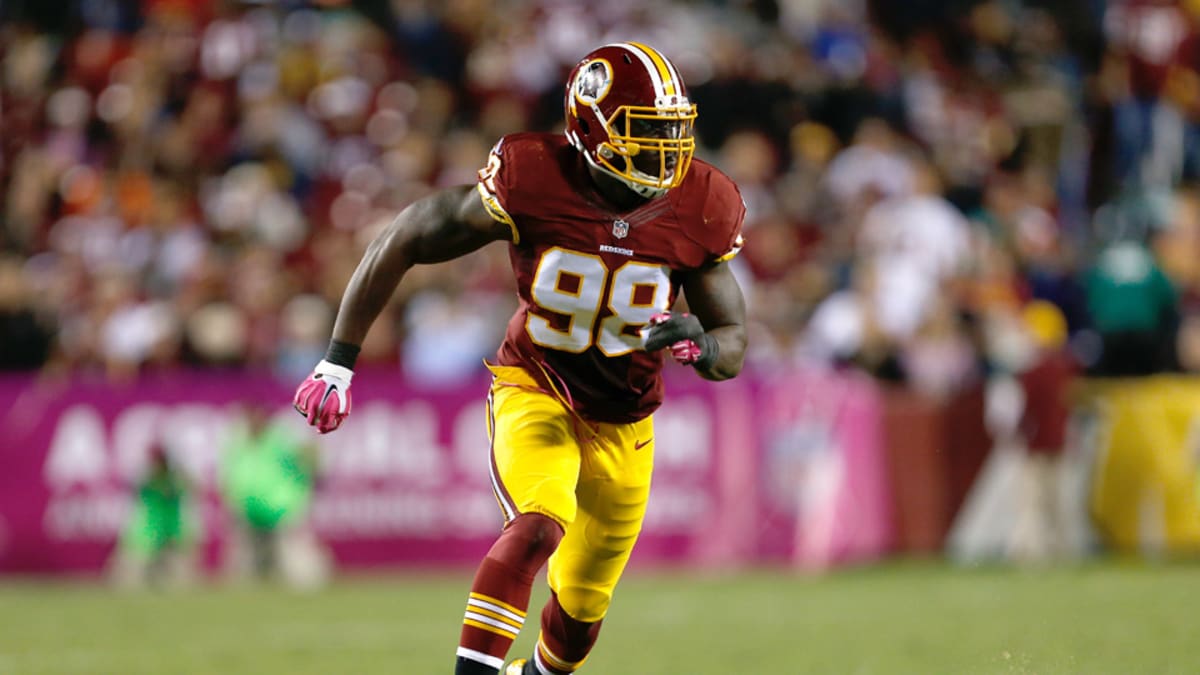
(714, 296)
(445, 225)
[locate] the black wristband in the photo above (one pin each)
(709, 351)
(342, 354)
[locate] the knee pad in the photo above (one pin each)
(584, 604)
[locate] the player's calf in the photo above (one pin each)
(499, 596)
(562, 646)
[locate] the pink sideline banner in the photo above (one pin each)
(824, 492)
(404, 482)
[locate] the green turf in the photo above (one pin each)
(920, 619)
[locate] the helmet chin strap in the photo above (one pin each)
(643, 190)
(647, 191)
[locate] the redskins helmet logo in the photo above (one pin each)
(593, 82)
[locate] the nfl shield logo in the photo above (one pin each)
(620, 229)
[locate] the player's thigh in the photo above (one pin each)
(535, 457)
(614, 489)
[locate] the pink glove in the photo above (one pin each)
(324, 396)
(685, 351)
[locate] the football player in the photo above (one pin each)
(605, 226)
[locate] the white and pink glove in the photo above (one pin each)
(324, 396)
(684, 337)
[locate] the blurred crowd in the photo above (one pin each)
(936, 190)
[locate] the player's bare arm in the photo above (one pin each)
(714, 296)
(712, 338)
(446, 225)
(443, 226)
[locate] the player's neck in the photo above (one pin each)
(616, 194)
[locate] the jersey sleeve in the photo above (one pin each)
(734, 248)
(724, 213)
(496, 184)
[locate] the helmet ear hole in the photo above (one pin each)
(583, 124)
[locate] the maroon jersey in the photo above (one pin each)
(1047, 408)
(590, 277)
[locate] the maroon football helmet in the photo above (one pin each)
(628, 113)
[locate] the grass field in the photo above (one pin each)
(922, 619)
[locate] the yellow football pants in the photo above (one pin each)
(592, 478)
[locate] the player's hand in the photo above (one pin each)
(324, 396)
(682, 334)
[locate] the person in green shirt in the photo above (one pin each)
(157, 544)
(267, 479)
(1134, 308)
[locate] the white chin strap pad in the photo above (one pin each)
(647, 191)
(643, 190)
